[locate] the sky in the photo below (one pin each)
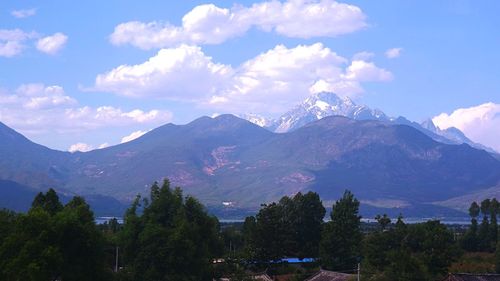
(97, 73)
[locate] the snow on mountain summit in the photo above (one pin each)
(325, 104)
(321, 105)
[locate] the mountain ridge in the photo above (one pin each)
(325, 104)
(228, 159)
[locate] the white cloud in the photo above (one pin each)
(272, 81)
(480, 123)
(393, 53)
(52, 44)
(182, 72)
(209, 24)
(133, 136)
(20, 14)
(365, 56)
(281, 76)
(80, 147)
(103, 145)
(12, 41)
(363, 71)
(38, 109)
(38, 96)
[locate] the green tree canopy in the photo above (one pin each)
(341, 237)
(173, 239)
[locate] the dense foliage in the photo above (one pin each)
(52, 242)
(173, 239)
(289, 228)
(341, 237)
(169, 236)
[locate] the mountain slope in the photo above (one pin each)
(228, 159)
(29, 163)
(188, 155)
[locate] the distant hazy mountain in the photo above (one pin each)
(18, 197)
(453, 135)
(29, 163)
(325, 104)
(27, 168)
(228, 159)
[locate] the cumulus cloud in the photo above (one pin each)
(363, 71)
(80, 147)
(393, 53)
(133, 136)
(12, 41)
(209, 24)
(20, 14)
(480, 123)
(277, 78)
(280, 77)
(184, 71)
(39, 109)
(52, 44)
(39, 96)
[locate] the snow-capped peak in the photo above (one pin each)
(321, 105)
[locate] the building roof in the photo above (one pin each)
(257, 277)
(325, 275)
(471, 277)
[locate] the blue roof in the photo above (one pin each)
(297, 260)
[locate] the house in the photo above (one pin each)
(325, 275)
(471, 277)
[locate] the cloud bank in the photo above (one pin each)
(209, 24)
(480, 123)
(272, 81)
(40, 109)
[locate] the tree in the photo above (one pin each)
(48, 202)
(383, 221)
(470, 239)
(484, 241)
(341, 237)
(494, 208)
(291, 227)
(81, 244)
(269, 235)
(173, 239)
(409, 252)
(308, 222)
(249, 228)
(52, 242)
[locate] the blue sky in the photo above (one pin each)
(80, 74)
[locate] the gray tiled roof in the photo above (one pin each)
(325, 275)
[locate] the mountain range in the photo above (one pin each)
(323, 104)
(391, 164)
